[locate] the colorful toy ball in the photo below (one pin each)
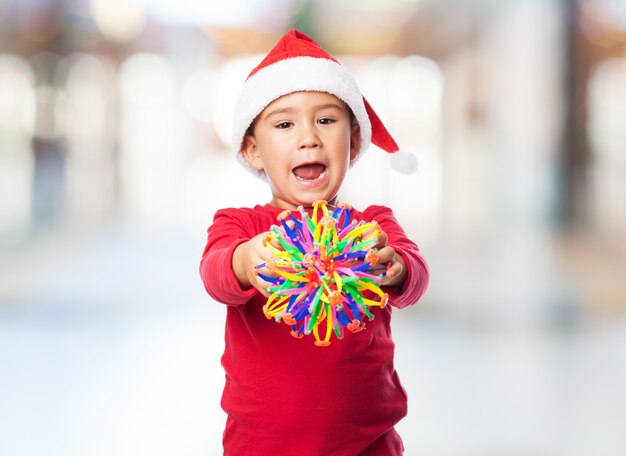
(325, 271)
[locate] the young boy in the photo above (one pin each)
(300, 123)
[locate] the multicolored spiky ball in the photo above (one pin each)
(322, 268)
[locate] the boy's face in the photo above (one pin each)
(304, 142)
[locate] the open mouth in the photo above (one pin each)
(309, 172)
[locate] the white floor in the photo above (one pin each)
(109, 346)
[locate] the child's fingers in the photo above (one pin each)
(369, 231)
(394, 271)
(258, 282)
(265, 254)
(271, 239)
(291, 224)
(274, 243)
(268, 272)
(386, 254)
(262, 285)
(382, 240)
(266, 259)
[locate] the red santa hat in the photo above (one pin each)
(298, 64)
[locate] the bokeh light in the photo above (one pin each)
(118, 20)
(17, 118)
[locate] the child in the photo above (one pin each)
(300, 123)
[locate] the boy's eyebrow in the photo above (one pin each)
(290, 109)
(277, 111)
(328, 105)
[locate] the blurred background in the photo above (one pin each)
(114, 125)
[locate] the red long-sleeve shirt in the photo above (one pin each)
(286, 396)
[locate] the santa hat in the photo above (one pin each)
(297, 64)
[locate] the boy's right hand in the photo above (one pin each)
(247, 256)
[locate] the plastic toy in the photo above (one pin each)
(325, 270)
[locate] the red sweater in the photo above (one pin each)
(286, 396)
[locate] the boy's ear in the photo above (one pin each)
(250, 152)
(355, 141)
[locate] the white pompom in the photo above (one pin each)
(403, 162)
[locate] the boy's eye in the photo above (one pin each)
(326, 120)
(283, 125)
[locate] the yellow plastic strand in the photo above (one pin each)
(338, 281)
(292, 277)
(372, 287)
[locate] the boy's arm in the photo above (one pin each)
(227, 233)
(409, 265)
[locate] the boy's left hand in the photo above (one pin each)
(396, 274)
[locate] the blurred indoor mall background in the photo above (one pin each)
(114, 127)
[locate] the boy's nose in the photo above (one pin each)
(308, 137)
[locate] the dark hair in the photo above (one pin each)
(250, 129)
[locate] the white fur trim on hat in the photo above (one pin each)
(294, 75)
(403, 162)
